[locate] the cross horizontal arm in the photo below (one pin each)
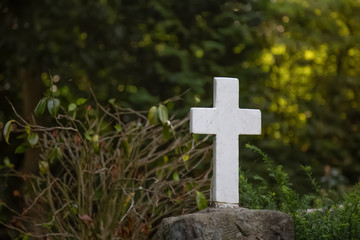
(247, 122)
(202, 120)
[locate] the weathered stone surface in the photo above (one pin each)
(228, 223)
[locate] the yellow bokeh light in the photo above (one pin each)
(317, 11)
(239, 48)
(309, 55)
(302, 117)
(278, 49)
(267, 58)
(285, 19)
(199, 53)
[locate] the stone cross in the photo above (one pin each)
(227, 122)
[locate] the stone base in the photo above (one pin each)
(228, 223)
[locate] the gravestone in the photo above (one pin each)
(225, 219)
(227, 122)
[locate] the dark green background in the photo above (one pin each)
(297, 61)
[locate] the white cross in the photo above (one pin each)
(227, 122)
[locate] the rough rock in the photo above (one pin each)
(228, 223)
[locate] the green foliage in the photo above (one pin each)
(20, 149)
(81, 101)
(72, 107)
(53, 105)
(153, 115)
(33, 139)
(158, 113)
(7, 130)
(6, 164)
(296, 61)
(316, 216)
(163, 114)
(40, 107)
(201, 201)
(311, 78)
(108, 174)
(341, 221)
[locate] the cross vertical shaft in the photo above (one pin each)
(225, 180)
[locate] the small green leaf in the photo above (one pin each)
(27, 129)
(53, 106)
(22, 136)
(25, 236)
(176, 177)
(74, 209)
(185, 157)
(33, 139)
(112, 101)
(73, 114)
(80, 101)
(96, 147)
(163, 114)
(46, 225)
(189, 186)
(44, 167)
(152, 116)
(72, 107)
(118, 128)
(59, 152)
(7, 130)
(95, 138)
(7, 163)
(20, 149)
(196, 137)
(55, 153)
(126, 146)
(201, 201)
(95, 141)
(197, 99)
(170, 105)
(40, 108)
(167, 132)
(87, 136)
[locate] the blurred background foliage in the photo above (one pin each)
(297, 61)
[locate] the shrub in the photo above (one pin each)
(316, 216)
(108, 172)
